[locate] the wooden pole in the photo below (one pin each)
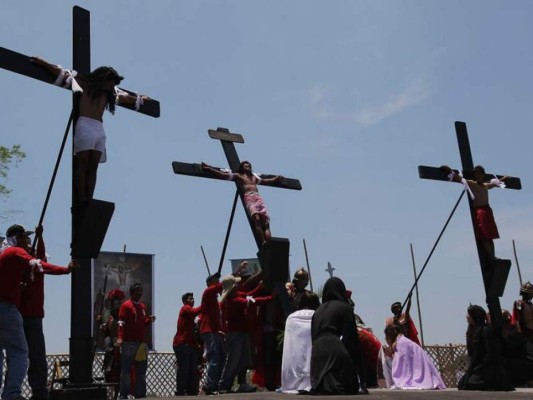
(417, 297)
(205, 259)
(517, 265)
(308, 268)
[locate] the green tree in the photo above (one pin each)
(8, 158)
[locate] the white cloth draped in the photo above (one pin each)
(296, 361)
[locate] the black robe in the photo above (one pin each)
(334, 361)
(486, 370)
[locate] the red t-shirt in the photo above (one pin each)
(132, 321)
(235, 312)
(32, 296)
(210, 314)
(14, 264)
(185, 326)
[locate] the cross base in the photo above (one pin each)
(274, 259)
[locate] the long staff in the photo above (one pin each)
(417, 297)
(433, 249)
(517, 265)
(308, 268)
(51, 185)
(228, 231)
(205, 259)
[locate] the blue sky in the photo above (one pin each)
(348, 96)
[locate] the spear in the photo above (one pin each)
(205, 259)
(517, 265)
(308, 269)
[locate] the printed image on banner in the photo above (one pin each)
(253, 266)
(113, 274)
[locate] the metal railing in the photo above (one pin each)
(450, 360)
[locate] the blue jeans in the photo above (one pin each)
(235, 352)
(214, 349)
(187, 378)
(129, 350)
(38, 370)
(12, 340)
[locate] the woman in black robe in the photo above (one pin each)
(335, 354)
(485, 370)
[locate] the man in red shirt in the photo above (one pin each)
(15, 262)
(187, 349)
(132, 325)
(236, 326)
(210, 329)
(32, 310)
(404, 320)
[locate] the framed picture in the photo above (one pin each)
(115, 270)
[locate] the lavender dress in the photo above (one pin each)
(412, 368)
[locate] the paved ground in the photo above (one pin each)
(378, 394)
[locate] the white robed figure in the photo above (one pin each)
(296, 361)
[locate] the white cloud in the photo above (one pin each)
(414, 93)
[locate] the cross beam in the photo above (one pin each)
(21, 64)
(494, 272)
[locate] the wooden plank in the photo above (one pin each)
(435, 173)
(227, 136)
(194, 169)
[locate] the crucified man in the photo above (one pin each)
(485, 229)
(247, 182)
(99, 92)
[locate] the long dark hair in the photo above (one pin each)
(474, 331)
(96, 81)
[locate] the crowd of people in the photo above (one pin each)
(240, 335)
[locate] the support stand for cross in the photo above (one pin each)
(274, 254)
(89, 220)
(493, 270)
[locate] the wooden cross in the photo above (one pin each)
(274, 255)
(227, 139)
(494, 272)
(81, 341)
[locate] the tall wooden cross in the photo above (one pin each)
(81, 340)
(274, 255)
(227, 139)
(494, 272)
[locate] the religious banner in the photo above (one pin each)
(253, 265)
(113, 272)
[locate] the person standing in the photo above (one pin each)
(236, 304)
(211, 331)
(132, 326)
(15, 262)
(32, 310)
(523, 312)
(186, 348)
